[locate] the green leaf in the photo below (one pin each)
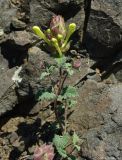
(52, 68)
(75, 140)
(60, 98)
(43, 75)
(72, 103)
(61, 143)
(70, 92)
(62, 152)
(47, 96)
(71, 157)
(68, 68)
(60, 61)
(77, 147)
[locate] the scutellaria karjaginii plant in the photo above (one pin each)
(57, 35)
(62, 96)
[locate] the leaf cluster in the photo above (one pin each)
(62, 142)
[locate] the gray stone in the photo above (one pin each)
(7, 12)
(17, 24)
(39, 15)
(20, 38)
(97, 118)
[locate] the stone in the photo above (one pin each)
(12, 125)
(8, 97)
(7, 12)
(98, 119)
(20, 38)
(17, 24)
(39, 15)
(104, 30)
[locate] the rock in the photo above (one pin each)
(17, 24)
(7, 12)
(3, 64)
(118, 68)
(39, 15)
(31, 73)
(12, 125)
(20, 38)
(104, 32)
(98, 119)
(8, 98)
(15, 47)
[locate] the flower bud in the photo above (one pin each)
(57, 26)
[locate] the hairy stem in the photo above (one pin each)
(60, 87)
(65, 119)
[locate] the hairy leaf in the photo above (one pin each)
(61, 143)
(62, 152)
(51, 69)
(72, 103)
(68, 68)
(75, 140)
(43, 75)
(47, 96)
(70, 92)
(60, 61)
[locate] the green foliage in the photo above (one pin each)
(61, 143)
(72, 103)
(75, 140)
(43, 75)
(68, 68)
(47, 96)
(70, 92)
(60, 61)
(63, 98)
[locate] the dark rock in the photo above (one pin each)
(39, 15)
(31, 73)
(104, 33)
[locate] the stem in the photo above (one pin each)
(56, 114)
(55, 102)
(65, 119)
(61, 84)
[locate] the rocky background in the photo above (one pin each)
(98, 116)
